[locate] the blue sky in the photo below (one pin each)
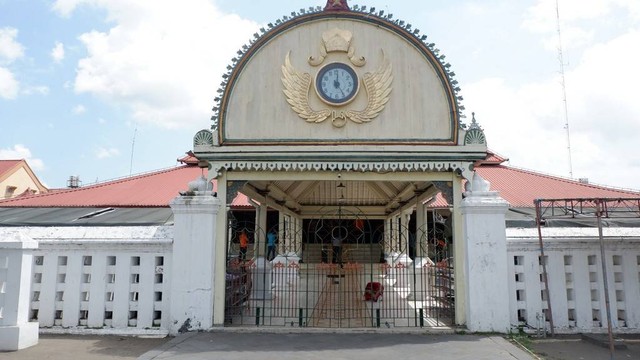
(78, 78)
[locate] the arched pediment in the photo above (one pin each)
(396, 88)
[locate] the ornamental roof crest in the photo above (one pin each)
(336, 40)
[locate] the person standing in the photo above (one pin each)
(336, 241)
(271, 245)
(244, 243)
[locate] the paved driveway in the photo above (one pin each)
(334, 346)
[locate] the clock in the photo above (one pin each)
(337, 84)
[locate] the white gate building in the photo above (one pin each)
(330, 116)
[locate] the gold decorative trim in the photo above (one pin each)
(337, 40)
(297, 86)
(296, 89)
(378, 86)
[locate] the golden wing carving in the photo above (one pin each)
(296, 89)
(378, 86)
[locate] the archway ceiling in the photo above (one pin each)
(298, 195)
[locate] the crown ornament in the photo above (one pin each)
(337, 40)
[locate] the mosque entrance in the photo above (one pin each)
(339, 269)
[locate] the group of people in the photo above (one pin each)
(243, 240)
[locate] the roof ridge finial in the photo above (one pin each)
(336, 5)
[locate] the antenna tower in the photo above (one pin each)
(564, 89)
(133, 144)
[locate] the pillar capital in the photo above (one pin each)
(479, 199)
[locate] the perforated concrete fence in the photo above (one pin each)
(98, 289)
(575, 279)
(118, 278)
(101, 278)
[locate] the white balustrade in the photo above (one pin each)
(118, 278)
(575, 276)
(101, 278)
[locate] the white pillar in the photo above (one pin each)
(487, 292)
(193, 259)
(298, 235)
(261, 284)
(403, 238)
(16, 258)
(420, 281)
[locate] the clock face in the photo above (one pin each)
(337, 83)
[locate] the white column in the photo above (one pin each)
(403, 237)
(387, 237)
(261, 285)
(298, 235)
(487, 292)
(222, 234)
(420, 282)
(283, 228)
(193, 259)
(16, 258)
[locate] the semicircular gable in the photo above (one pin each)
(338, 77)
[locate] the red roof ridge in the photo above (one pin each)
(96, 185)
(492, 158)
(189, 159)
(6, 166)
(569, 180)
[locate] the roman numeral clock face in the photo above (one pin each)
(337, 84)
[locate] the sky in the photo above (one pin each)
(102, 89)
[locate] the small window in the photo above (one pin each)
(87, 260)
(111, 260)
(9, 191)
(135, 261)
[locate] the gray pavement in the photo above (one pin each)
(335, 346)
(575, 348)
(85, 347)
(256, 344)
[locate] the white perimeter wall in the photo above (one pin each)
(576, 286)
(117, 278)
(100, 277)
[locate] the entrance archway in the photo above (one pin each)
(340, 268)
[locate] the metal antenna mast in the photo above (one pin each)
(564, 89)
(133, 144)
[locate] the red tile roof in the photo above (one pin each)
(6, 165)
(520, 187)
(492, 159)
(157, 189)
(147, 190)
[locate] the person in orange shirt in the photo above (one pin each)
(244, 243)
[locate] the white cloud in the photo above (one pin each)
(18, 152)
(10, 49)
(9, 86)
(104, 153)
(542, 16)
(572, 37)
(57, 53)
(580, 20)
(66, 7)
(79, 109)
(38, 89)
(526, 122)
(161, 59)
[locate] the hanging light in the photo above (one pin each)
(341, 187)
